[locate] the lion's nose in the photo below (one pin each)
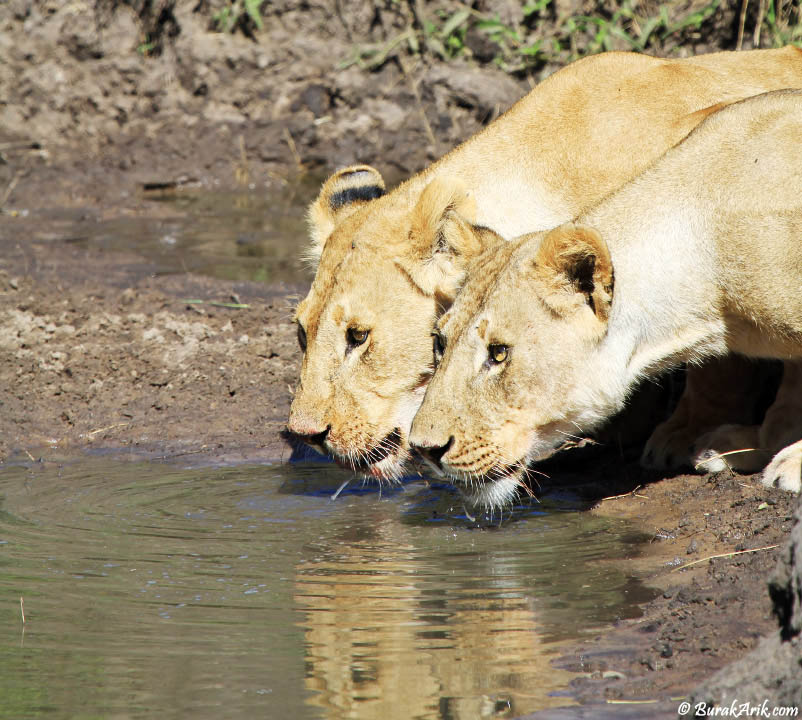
(435, 452)
(308, 433)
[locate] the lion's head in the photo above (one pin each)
(388, 265)
(515, 357)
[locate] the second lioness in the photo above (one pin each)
(699, 256)
(388, 263)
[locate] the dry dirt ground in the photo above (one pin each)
(96, 351)
(99, 352)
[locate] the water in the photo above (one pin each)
(229, 235)
(152, 591)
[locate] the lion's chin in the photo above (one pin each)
(491, 494)
(384, 461)
(495, 488)
(389, 468)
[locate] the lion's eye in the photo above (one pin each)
(356, 337)
(439, 346)
(302, 337)
(497, 354)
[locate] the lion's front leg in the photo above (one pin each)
(781, 432)
(723, 391)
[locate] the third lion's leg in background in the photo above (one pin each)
(723, 391)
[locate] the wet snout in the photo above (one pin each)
(308, 428)
(434, 453)
(431, 434)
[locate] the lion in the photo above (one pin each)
(699, 256)
(388, 263)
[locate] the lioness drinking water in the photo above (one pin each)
(390, 263)
(699, 256)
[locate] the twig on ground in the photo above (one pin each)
(293, 149)
(631, 493)
(761, 11)
(10, 188)
(104, 429)
(741, 22)
(724, 555)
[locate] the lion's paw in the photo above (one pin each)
(785, 469)
(733, 447)
(668, 447)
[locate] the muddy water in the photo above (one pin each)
(156, 592)
(228, 235)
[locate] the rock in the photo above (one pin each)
(488, 92)
(509, 12)
(785, 584)
(316, 97)
(480, 45)
(120, 35)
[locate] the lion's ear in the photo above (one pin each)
(344, 192)
(574, 263)
(442, 238)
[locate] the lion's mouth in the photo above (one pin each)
(485, 475)
(495, 483)
(366, 460)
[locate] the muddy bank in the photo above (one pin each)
(96, 351)
(774, 670)
(717, 538)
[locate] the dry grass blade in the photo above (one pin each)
(10, 188)
(718, 456)
(293, 150)
(631, 493)
(724, 555)
(92, 433)
(413, 86)
(741, 22)
(761, 12)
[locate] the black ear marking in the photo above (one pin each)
(582, 273)
(362, 193)
(583, 279)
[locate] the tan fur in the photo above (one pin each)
(699, 256)
(394, 263)
(324, 215)
(582, 248)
